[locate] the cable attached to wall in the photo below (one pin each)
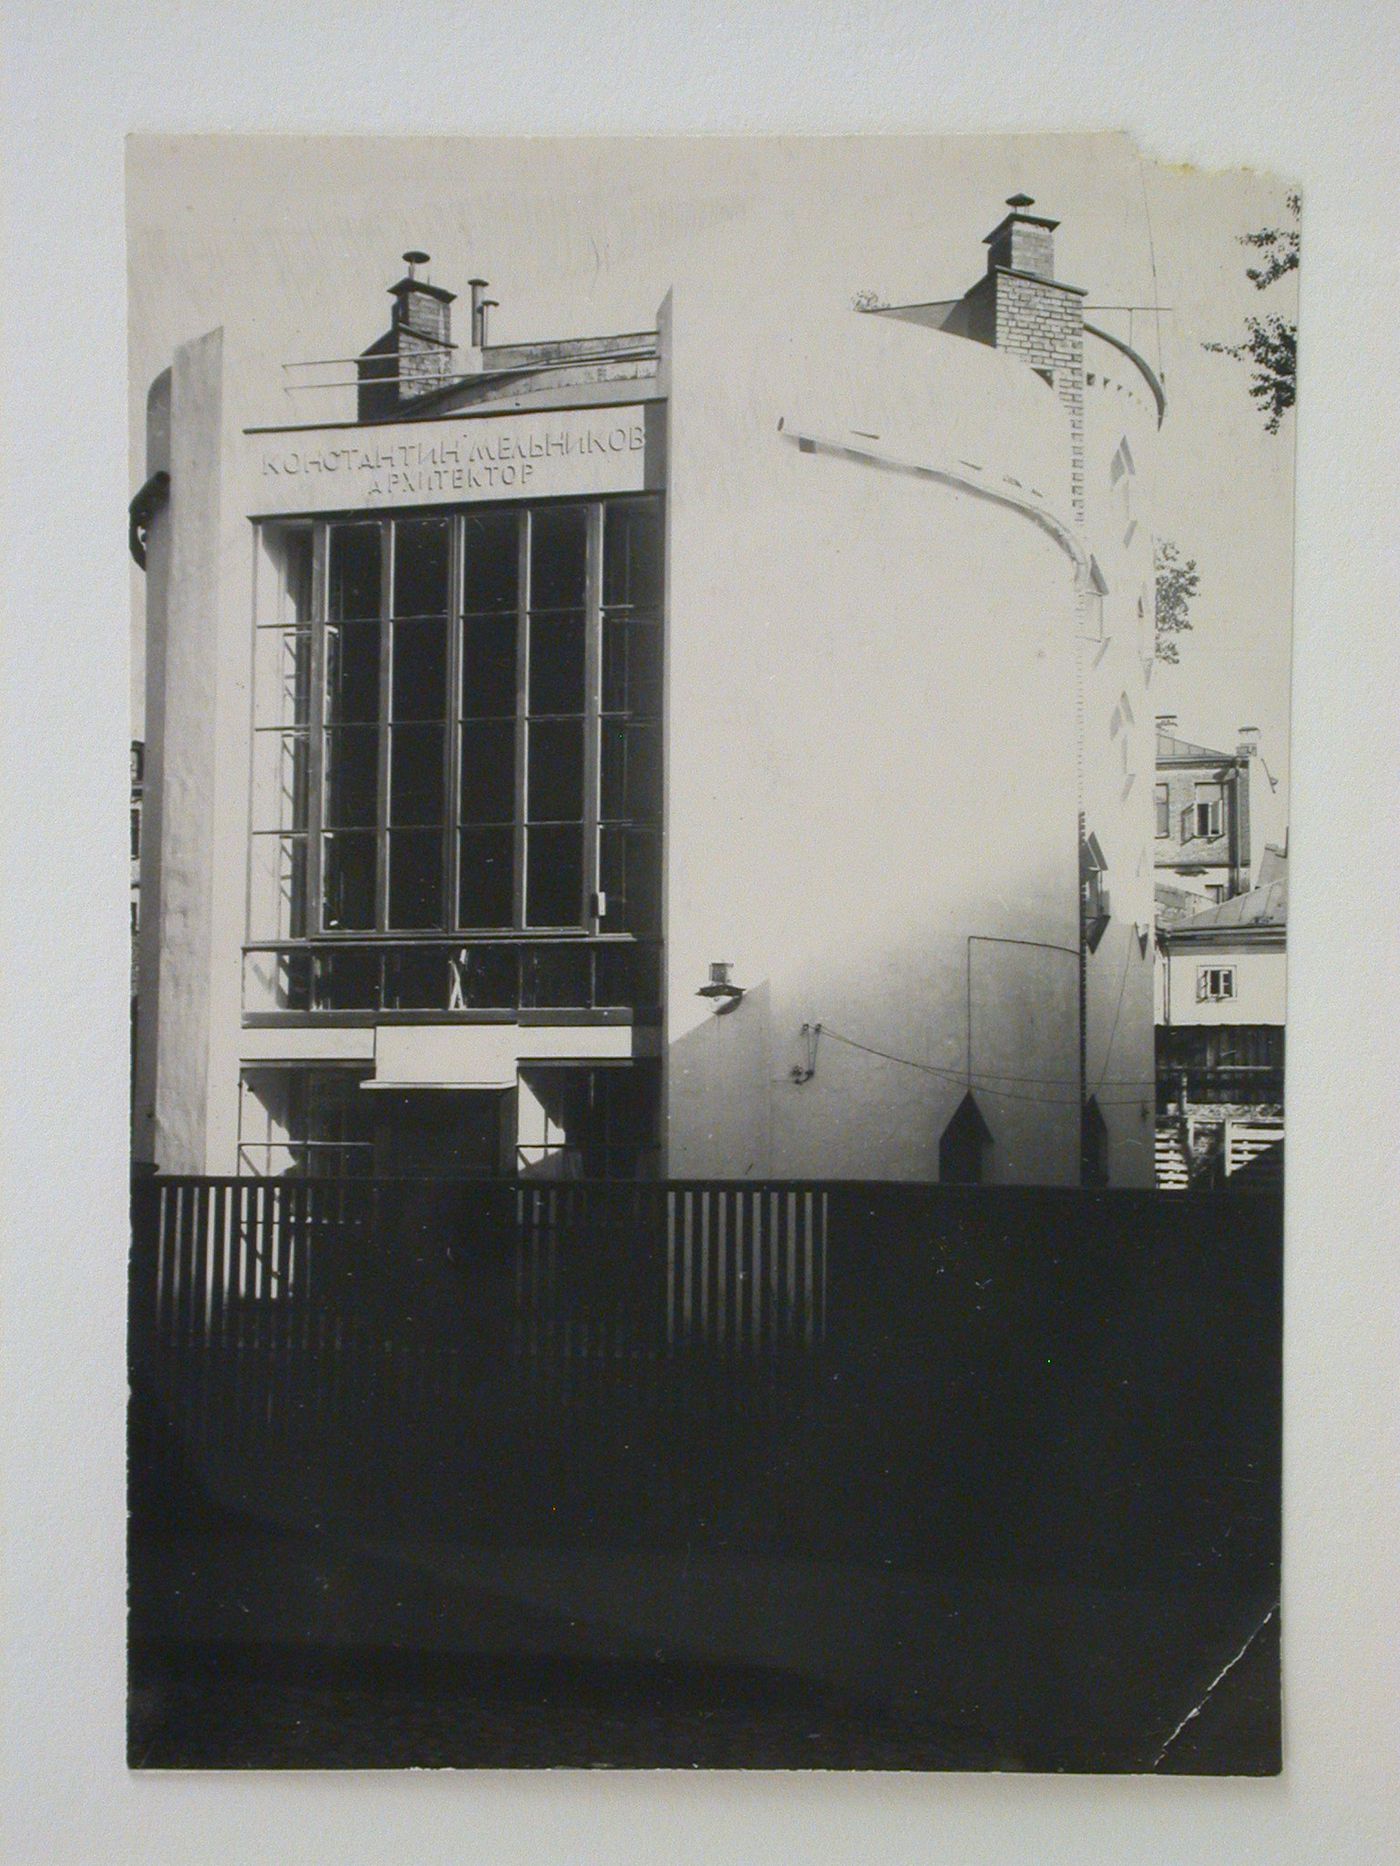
(803, 1072)
(982, 1084)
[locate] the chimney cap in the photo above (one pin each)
(1012, 200)
(416, 258)
(412, 284)
(1018, 217)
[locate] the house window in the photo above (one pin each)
(1162, 806)
(1215, 984)
(313, 1122)
(1208, 811)
(585, 1122)
(458, 724)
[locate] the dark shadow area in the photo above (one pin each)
(703, 1475)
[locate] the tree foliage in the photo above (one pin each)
(1177, 583)
(1270, 343)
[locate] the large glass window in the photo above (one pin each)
(281, 754)
(586, 1123)
(313, 1122)
(458, 723)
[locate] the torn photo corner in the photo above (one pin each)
(710, 782)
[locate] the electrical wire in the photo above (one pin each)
(460, 379)
(985, 1084)
(990, 1075)
(1152, 255)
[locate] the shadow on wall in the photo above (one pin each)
(870, 1095)
(720, 1093)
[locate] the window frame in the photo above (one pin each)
(1213, 806)
(1162, 808)
(311, 826)
(1215, 984)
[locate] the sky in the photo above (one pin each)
(291, 243)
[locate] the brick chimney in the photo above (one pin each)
(1023, 242)
(414, 356)
(1022, 308)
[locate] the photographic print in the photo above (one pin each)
(709, 902)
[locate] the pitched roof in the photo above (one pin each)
(1260, 907)
(1169, 747)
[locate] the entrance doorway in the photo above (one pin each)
(442, 1133)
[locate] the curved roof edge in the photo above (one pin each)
(1117, 342)
(859, 447)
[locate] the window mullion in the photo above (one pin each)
(592, 693)
(381, 831)
(522, 703)
(316, 724)
(453, 734)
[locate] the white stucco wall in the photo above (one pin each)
(181, 1039)
(1261, 986)
(1117, 662)
(148, 943)
(871, 756)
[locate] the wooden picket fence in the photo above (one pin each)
(307, 1313)
(523, 1362)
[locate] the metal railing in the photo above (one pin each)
(1223, 1084)
(452, 977)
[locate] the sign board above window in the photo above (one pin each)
(546, 454)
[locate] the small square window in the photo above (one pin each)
(1215, 984)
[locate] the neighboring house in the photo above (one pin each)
(635, 767)
(1200, 805)
(1220, 1033)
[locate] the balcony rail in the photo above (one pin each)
(1246, 1085)
(452, 977)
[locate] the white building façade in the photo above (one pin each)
(579, 762)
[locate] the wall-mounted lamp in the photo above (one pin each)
(722, 988)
